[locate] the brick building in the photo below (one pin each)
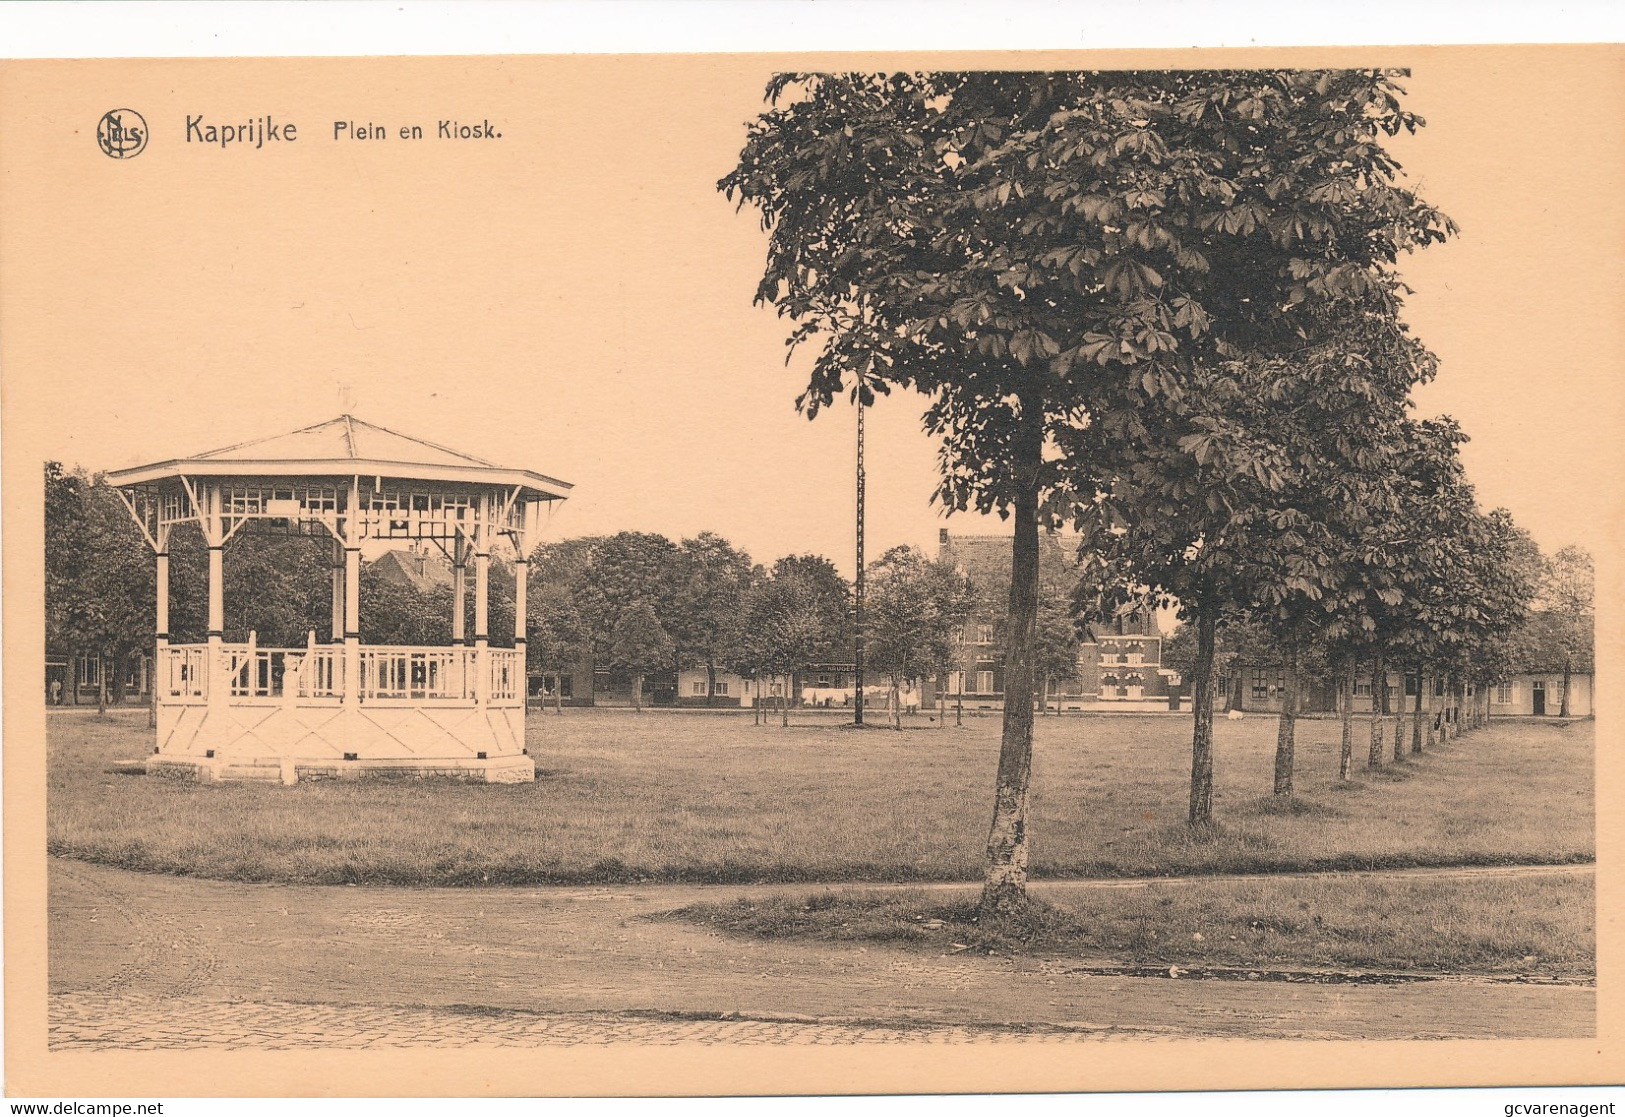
(1119, 663)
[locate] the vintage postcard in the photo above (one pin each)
(826, 573)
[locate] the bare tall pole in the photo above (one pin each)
(857, 586)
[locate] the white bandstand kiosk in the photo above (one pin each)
(338, 708)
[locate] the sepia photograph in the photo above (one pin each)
(772, 573)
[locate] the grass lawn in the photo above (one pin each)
(1538, 926)
(697, 797)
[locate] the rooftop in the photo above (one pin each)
(344, 446)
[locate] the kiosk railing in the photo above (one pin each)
(316, 675)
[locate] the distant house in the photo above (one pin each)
(820, 685)
(564, 688)
(1257, 689)
(1254, 687)
(1540, 694)
(1119, 663)
(1123, 662)
(694, 688)
(420, 568)
(79, 678)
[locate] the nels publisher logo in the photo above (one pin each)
(122, 134)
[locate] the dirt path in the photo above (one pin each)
(185, 961)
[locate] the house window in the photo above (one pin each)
(775, 690)
(1438, 686)
(721, 691)
(697, 689)
(1410, 686)
(1362, 688)
(1503, 694)
(1260, 683)
(984, 682)
(984, 635)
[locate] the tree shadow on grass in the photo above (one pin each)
(1291, 806)
(1203, 835)
(1397, 771)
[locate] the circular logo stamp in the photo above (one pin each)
(122, 134)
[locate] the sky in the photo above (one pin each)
(576, 296)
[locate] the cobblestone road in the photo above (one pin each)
(96, 1021)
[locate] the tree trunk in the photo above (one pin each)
(121, 671)
(1429, 732)
(710, 681)
(152, 697)
(942, 704)
(959, 701)
(558, 692)
(1285, 733)
(784, 702)
(897, 704)
(1568, 670)
(1201, 799)
(637, 692)
(1005, 889)
(1416, 717)
(101, 685)
(1399, 719)
(1379, 696)
(1345, 757)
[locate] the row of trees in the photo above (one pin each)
(1555, 636)
(638, 603)
(1163, 308)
